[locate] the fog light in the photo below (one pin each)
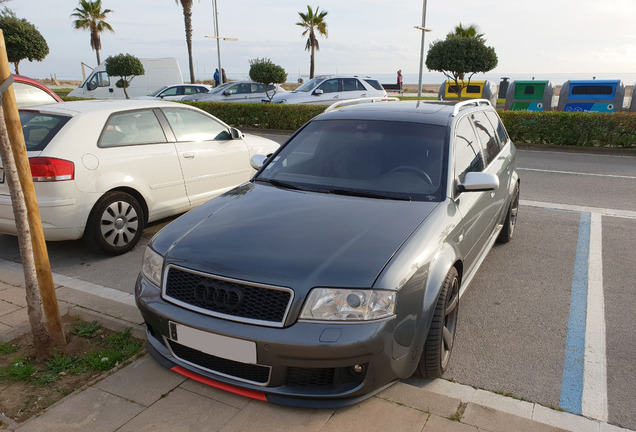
(357, 369)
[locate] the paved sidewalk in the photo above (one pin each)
(142, 396)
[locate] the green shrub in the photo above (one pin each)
(571, 129)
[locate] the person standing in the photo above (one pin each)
(216, 78)
(223, 75)
(399, 78)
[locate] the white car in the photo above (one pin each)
(177, 92)
(327, 90)
(103, 169)
(237, 91)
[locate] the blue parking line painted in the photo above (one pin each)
(574, 362)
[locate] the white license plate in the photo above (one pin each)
(217, 345)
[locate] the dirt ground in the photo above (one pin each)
(21, 400)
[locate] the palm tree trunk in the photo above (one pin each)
(98, 60)
(312, 63)
(187, 16)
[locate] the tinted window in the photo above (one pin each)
(189, 125)
(172, 91)
(487, 136)
(375, 84)
(330, 86)
(468, 157)
(375, 159)
(39, 128)
(352, 84)
(499, 127)
(99, 79)
(131, 128)
(28, 95)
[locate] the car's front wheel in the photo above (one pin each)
(115, 224)
(441, 335)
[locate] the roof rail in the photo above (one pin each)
(358, 101)
(475, 102)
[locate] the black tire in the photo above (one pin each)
(441, 335)
(511, 218)
(115, 224)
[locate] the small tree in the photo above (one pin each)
(126, 67)
(22, 39)
(457, 56)
(265, 72)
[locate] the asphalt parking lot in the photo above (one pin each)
(549, 318)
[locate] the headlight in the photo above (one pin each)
(151, 266)
(348, 305)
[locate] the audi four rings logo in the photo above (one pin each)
(222, 297)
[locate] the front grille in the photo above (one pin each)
(227, 298)
(242, 371)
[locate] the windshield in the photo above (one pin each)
(369, 158)
(40, 128)
(309, 85)
(156, 92)
(221, 88)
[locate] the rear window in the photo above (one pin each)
(28, 95)
(40, 128)
(375, 84)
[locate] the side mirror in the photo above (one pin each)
(478, 182)
(91, 85)
(227, 93)
(318, 92)
(257, 161)
(236, 134)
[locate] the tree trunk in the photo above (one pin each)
(41, 338)
(98, 60)
(187, 17)
(17, 67)
(311, 63)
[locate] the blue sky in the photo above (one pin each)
(365, 36)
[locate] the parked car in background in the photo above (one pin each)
(330, 89)
(103, 169)
(338, 268)
(236, 91)
(30, 92)
(177, 92)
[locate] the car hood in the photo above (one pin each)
(282, 237)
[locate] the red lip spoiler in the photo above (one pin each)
(222, 386)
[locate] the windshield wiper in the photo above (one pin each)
(281, 184)
(370, 194)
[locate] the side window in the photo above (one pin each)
(27, 95)
(351, 84)
(100, 79)
(189, 125)
(132, 128)
(191, 90)
(487, 136)
(499, 127)
(172, 91)
(468, 157)
(330, 86)
(258, 88)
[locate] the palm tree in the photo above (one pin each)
(469, 32)
(313, 22)
(90, 16)
(187, 17)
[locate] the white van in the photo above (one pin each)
(159, 72)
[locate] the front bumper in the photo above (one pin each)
(326, 365)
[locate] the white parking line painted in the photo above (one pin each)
(594, 401)
(579, 173)
(628, 214)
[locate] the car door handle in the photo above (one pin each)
(188, 155)
(363, 95)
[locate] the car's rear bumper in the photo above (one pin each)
(305, 364)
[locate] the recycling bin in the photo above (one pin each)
(484, 89)
(592, 96)
(529, 96)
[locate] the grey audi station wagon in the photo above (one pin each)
(337, 269)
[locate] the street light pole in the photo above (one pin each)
(216, 35)
(424, 30)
